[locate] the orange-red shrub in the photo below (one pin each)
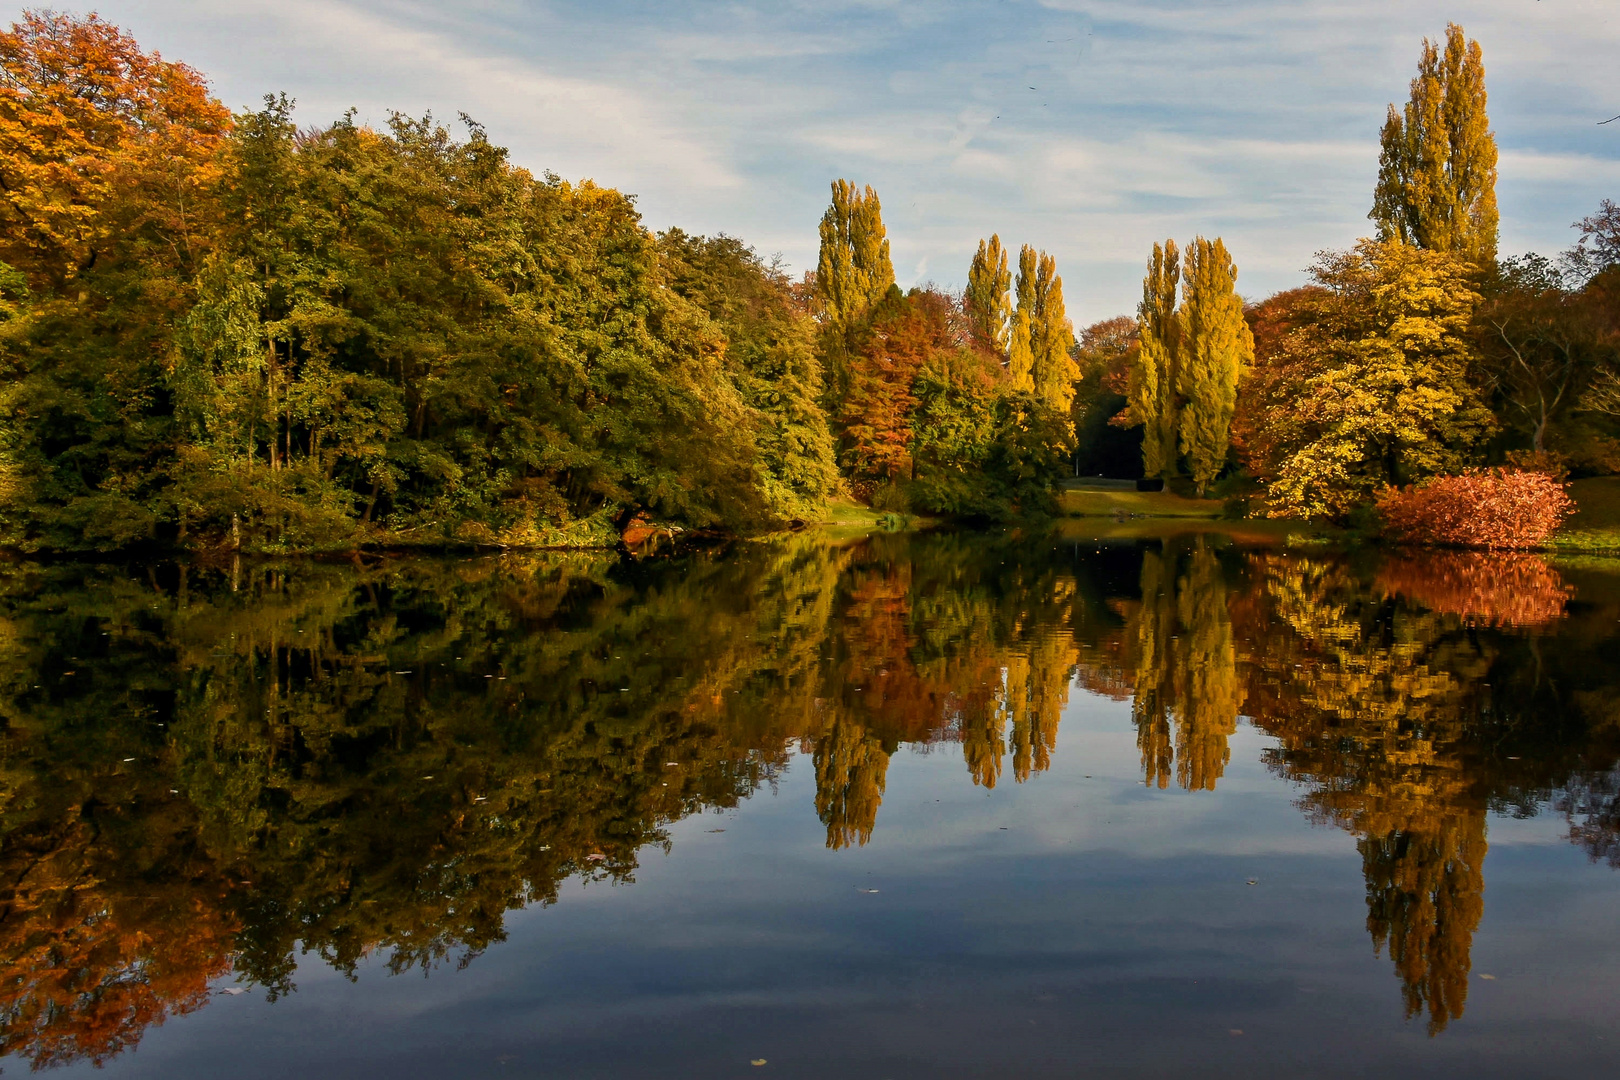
(1482, 508)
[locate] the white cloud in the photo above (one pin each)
(1256, 120)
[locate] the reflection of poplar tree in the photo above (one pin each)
(1187, 694)
(1206, 669)
(982, 731)
(851, 766)
(1425, 897)
(1034, 733)
(1150, 709)
(1015, 712)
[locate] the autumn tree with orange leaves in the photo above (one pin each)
(102, 147)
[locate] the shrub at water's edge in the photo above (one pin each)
(1484, 508)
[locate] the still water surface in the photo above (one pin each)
(912, 806)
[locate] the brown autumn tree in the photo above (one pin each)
(905, 331)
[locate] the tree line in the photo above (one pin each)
(1416, 354)
(222, 329)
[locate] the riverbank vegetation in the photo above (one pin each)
(224, 330)
(1417, 357)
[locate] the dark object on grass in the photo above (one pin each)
(1150, 483)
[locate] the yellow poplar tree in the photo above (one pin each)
(989, 309)
(1437, 165)
(1021, 350)
(854, 271)
(1217, 347)
(1151, 389)
(1020, 355)
(1051, 339)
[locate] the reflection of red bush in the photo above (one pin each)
(1482, 508)
(1485, 590)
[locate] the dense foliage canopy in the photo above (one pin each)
(227, 330)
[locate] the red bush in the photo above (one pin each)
(1482, 508)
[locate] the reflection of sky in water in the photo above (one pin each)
(1078, 923)
(1109, 927)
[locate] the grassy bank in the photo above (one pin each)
(1595, 528)
(1095, 500)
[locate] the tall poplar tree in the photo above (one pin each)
(989, 309)
(1437, 166)
(1153, 379)
(1026, 323)
(1028, 262)
(1217, 347)
(854, 271)
(1051, 339)
(1020, 355)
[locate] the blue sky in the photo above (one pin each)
(1087, 127)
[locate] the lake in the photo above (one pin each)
(914, 805)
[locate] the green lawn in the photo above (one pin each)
(1599, 501)
(1596, 524)
(1108, 502)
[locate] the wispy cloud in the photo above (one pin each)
(1087, 127)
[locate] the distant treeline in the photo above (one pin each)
(223, 329)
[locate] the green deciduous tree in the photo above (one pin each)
(1437, 166)
(770, 351)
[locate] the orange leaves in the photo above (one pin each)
(1489, 508)
(1484, 590)
(88, 120)
(86, 965)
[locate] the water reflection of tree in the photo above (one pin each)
(1375, 705)
(352, 758)
(1179, 645)
(349, 758)
(952, 646)
(1394, 705)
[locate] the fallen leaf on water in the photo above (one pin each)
(1490, 977)
(1253, 881)
(233, 991)
(757, 1061)
(595, 857)
(1235, 1031)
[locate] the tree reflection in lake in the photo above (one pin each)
(208, 770)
